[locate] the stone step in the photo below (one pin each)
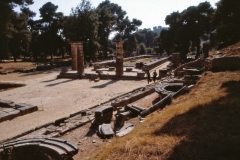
(54, 147)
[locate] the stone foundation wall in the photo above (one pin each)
(195, 64)
(225, 63)
(154, 64)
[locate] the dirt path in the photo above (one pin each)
(56, 98)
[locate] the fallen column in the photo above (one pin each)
(162, 103)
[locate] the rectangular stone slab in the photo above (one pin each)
(107, 130)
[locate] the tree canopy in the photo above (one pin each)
(21, 34)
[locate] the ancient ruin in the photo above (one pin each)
(77, 56)
(119, 58)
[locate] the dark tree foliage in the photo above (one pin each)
(226, 20)
(47, 33)
(146, 36)
(82, 25)
(186, 29)
(12, 28)
(112, 18)
(109, 15)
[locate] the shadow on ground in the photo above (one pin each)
(55, 84)
(105, 84)
(39, 72)
(212, 131)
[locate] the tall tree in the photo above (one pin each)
(51, 27)
(21, 36)
(82, 25)
(226, 19)
(7, 23)
(110, 14)
(187, 28)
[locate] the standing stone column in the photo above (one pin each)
(119, 57)
(80, 58)
(77, 56)
(74, 55)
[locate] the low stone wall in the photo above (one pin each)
(112, 63)
(154, 64)
(131, 97)
(33, 148)
(195, 64)
(16, 110)
(225, 63)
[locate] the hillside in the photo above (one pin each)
(202, 124)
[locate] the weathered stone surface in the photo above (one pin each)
(138, 107)
(26, 108)
(7, 110)
(5, 103)
(126, 125)
(54, 147)
(162, 103)
(125, 131)
(154, 64)
(111, 68)
(134, 112)
(3, 116)
(103, 114)
(122, 117)
(140, 74)
(129, 69)
(192, 71)
(165, 89)
(181, 91)
(119, 58)
(106, 130)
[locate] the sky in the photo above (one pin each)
(150, 12)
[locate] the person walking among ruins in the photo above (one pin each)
(148, 76)
(154, 76)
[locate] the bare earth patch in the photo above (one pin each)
(11, 66)
(56, 98)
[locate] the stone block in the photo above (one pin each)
(138, 107)
(103, 109)
(140, 74)
(106, 130)
(111, 68)
(25, 108)
(7, 110)
(128, 69)
(122, 117)
(5, 103)
(134, 112)
(3, 116)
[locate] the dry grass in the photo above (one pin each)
(203, 124)
(233, 50)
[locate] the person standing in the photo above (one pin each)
(148, 76)
(154, 76)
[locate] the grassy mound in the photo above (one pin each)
(203, 124)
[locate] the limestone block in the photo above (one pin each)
(140, 74)
(5, 103)
(25, 108)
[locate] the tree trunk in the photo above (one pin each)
(198, 48)
(15, 57)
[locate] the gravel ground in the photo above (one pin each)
(56, 98)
